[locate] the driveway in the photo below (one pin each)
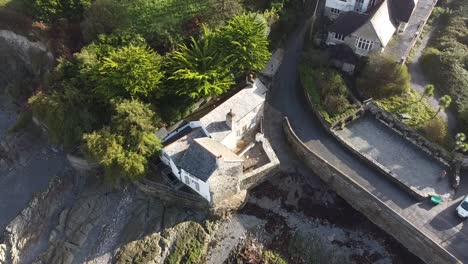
(285, 99)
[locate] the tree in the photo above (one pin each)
(444, 102)
(383, 77)
(428, 91)
(460, 143)
(436, 130)
(104, 17)
(51, 10)
(245, 37)
(123, 148)
(129, 72)
(199, 70)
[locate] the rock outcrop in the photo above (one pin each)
(23, 233)
(23, 62)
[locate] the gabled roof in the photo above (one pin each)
(175, 149)
(379, 18)
(348, 22)
(382, 23)
(242, 103)
(201, 159)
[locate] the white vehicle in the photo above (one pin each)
(462, 209)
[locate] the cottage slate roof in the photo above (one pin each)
(241, 104)
(401, 10)
(176, 149)
(199, 162)
(348, 22)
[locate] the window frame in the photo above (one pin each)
(337, 36)
(335, 11)
(364, 44)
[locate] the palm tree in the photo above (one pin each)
(444, 102)
(428, 91)
(199, 70)
(460, 143)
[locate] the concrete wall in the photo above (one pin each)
(369, 205)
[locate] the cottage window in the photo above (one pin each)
(187, 180)
(364, 44)
(197, 186)
(335, 11)
(338, 36)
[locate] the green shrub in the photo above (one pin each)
(436, 131)
(383, 77)
(335, 104)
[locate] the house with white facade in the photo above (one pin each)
(204, 154)
(366, 25)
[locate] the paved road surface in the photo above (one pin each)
(285, 100)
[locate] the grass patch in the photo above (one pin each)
(190, 245)
(408, 103)
(434, 129)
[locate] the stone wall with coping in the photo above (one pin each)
(259, 175)
(368, 204)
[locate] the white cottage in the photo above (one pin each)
(202, 154)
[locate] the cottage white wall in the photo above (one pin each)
(192, 181)
(343, 6)
(243, 125)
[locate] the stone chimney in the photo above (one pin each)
(230, 120)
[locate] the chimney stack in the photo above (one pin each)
(230, 120)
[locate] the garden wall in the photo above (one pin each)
(369, 205)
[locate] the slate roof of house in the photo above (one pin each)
(401, 10)
(241, 104)
(349, 22)
(201, 159)
(176, 149)
(379, 18)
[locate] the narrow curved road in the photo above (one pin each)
(285, 99)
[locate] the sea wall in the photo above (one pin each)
(369, 205)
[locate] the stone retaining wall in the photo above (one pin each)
(259, 175)
(370, 205)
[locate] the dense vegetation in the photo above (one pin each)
(383, 77)
(325, 86)
(389, 84)
(446, 61)
(146, 63)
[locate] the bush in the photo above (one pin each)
(436, 131)
(383, 77)
(335, 104)
(52, 10)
